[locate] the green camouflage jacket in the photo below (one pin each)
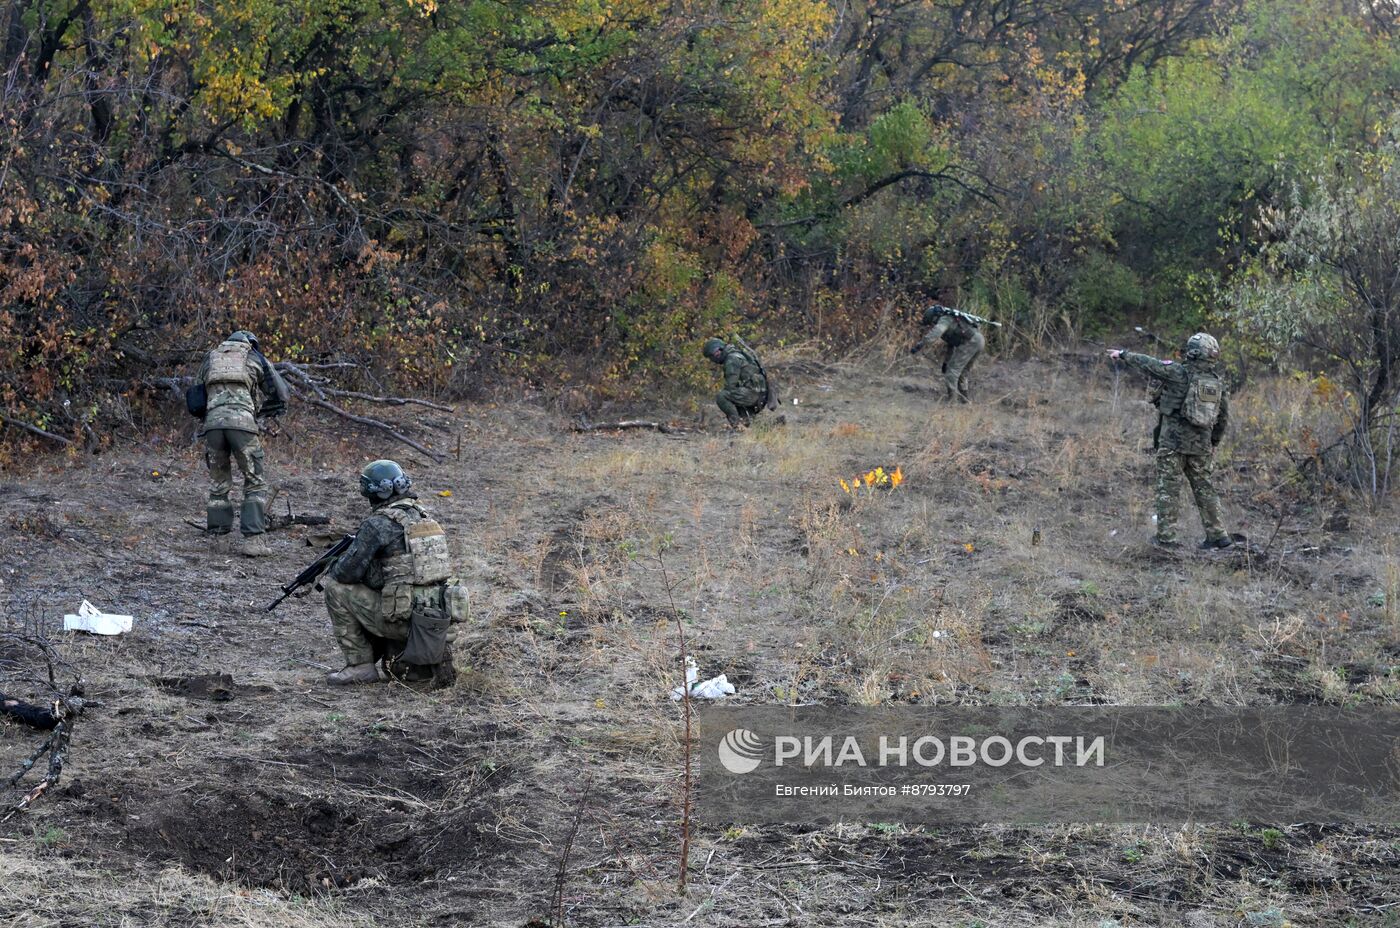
(1177, 434)
(741, 374)
(951, 329)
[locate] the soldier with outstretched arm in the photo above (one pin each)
(1193, 408)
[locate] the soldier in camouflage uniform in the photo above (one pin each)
(392, 597)
(240, 386)
(745, 390)
(1193, 410)
(965, 342)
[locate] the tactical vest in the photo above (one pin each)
(959, 331)
(424, 564)
(228, 363)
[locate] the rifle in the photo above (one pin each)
(967, 316)
(314, 570)
(770, 391)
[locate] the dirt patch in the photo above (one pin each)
(339, 818)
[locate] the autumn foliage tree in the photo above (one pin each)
(455, 194)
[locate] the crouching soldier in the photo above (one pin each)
(1193, 408)
(745, 392)
(962, 333)
(233, 389)
(392, 597)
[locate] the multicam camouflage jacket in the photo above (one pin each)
(1177, 434)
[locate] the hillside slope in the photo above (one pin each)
(268, 799)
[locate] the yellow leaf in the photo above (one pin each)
(969, 547)
(445, 493)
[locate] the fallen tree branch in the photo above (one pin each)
(35, 430)
(665, 428)
(321, 389)
(57, 747)
(374, 424)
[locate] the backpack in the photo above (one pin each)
(1201, 406)
(770, 387)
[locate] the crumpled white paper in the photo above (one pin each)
(713, 688)
(91, 619)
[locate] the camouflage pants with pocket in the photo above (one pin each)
(357, 616)
(1172, 467)
(222, 449)
(739, 404)
(364, 633)
(958, 364)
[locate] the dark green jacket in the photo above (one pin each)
(1176, 433)
(741, 375)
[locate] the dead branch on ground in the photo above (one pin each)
(561, 875)
(665, 428)
(34, 429)
(322, 388)
(57, 712)
(384, 427)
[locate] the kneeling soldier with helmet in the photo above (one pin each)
(746, 388)
(392, 596)
(1193, 407)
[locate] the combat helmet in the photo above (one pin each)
(243, 335)
(712, 346)
(1202, 347)
(382, 480)
(933, 312)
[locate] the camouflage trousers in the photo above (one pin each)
(1172, 466)
(362, 630)
(222, 449)
(739, 404)
(958, 364)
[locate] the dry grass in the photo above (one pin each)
(930, 593)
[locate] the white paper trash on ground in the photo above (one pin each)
(713, 688)
(91, 619)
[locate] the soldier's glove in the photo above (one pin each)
(916, 348)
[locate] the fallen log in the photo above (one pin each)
(34, 429)
(321, 388)
(57, 749)
(374, 424)
(665, 428)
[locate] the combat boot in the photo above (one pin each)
(1224, 541)
(254, 546)
(444, 673)
(354, 673)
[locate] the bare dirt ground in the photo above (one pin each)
(264, 798)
